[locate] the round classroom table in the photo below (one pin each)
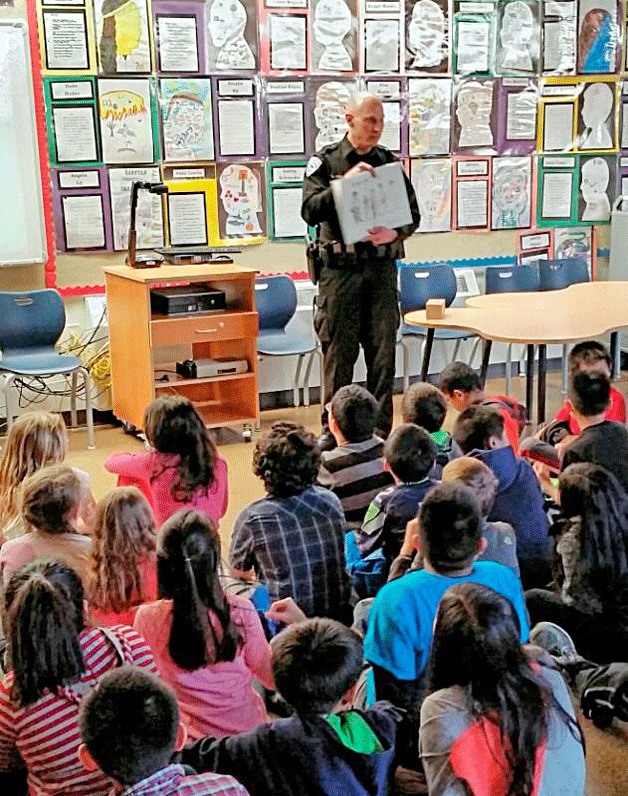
(579, 312)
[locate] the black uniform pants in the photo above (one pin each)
(353, 308)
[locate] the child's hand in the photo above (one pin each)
(562, 446)
(285, 611)
(542, 472)
(411, 539)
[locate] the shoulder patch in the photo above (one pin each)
(313, 164)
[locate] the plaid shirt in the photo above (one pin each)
(296, 546)
(173, 781)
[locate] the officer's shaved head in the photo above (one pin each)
(364, 113)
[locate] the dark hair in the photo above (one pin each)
(595, 495)
(315, 663)
(188, 565)
(129, 724)
(588, 353)
(43, 603)
(50, 497)
(355, 411)
(424, 405)
(459, 376)
(476, 646)
(287, 459)
(410, 452)
(589, 393)
(476, 425)
(449, 527)
(173, 426)
(477, 476)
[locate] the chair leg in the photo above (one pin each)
(616, 357)
(89, 415)
(306, 380)
(474, 350)
(508, 367)
(7, 388)
(456, 350)
(565, 383)
(296, 387)
(73, 388)
(405, 363)
(321, 376)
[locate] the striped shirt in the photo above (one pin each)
(46, 735)
(296, 546)
(355, 472)
(173, 781)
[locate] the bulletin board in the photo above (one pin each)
(509, 114)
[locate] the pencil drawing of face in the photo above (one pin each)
(516, 31)
(429, 112)
(329, 113)
(511, 197)
(594, 181)
(474, 102)
(332, 22)
(596, 108)
(227, 22)
(426, 34)
(433, 196)
(240, 197)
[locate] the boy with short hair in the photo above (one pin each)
(479, 431)
(463, 388)
(426, 406)
(325, 748)
(354, 470)
(130, 729)
(400, 628)
(409, 454)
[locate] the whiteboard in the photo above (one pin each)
(22, 227)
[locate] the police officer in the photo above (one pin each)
(357, 300)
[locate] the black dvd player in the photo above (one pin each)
(186, 299)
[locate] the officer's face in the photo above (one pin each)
(366, 123)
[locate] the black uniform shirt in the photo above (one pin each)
(318, 208)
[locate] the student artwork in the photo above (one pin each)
(232, 44)
(241, 210)
(557, 119)
(596, 187)
(122, 36)
(429, 116)
(431, 180)
(284, 103)
(597, 36)
(186, 117)
(126, 124)
(559, 38)
(558, 184)
(285, 181)
(236, 112)
(427, 35)
(381, 45)
(597, 117)
(472, 195)
(474, 115)
(474, 41)
(149, 218)
(517, 103)
(66, 38)
(179, 32)
(512, 193)
(330, 100)
(392, 93)
(334, 36)
(287, 42)
(81, 209)
(72, 121)
(573, 242)
(517, 37)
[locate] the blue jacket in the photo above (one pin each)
(302, 756)
(519, 501)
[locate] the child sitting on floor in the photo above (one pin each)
(130, 729)
(184, 468)
(426, 406)
(326, 747)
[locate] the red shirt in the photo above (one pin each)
(46, 735)
(616, 411)
(148, 574)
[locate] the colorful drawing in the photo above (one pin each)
(186, 113)
(429, 112)
(227, 24)
(149, 219)
(597, 36)
(241, 199)
(123, 40)
(431, 180)
(511, 193)
(125, 121)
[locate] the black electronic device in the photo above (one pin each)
(187, 299)
(184, 255)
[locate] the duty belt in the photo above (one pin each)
(342, 253)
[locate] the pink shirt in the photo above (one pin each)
(71, 549)
(138, 468)
(218, 699)
(148, 575)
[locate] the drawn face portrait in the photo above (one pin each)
(517, 25)
(596, 42)
(597, 104)
(227, 20)
(240, 197)
(510, 190)
(329, 113)
(429, 117)
(332, 21)
(474, 103)
(185, 122)
(432, 191)
(594, 180)
(426, 33)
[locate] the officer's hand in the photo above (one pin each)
(379, 236)
(358, 168)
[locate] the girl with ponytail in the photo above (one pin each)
(182, 469)
(592, 548)
(209, 645)
(498, 719)
(55, 657)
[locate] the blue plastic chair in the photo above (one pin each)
(276, 304)
(557, 275)
(511, 279)
(31, 323)
(417, 285)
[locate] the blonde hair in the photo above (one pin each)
(124, 535)
(36, 440)
(477, 476)
(50, 497)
